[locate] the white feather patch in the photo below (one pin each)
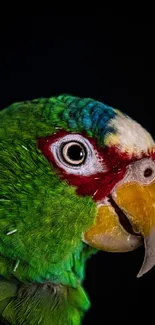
(130, 136)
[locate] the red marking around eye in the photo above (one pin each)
(99, 185)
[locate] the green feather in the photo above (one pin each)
(42, 257)
(46, 304)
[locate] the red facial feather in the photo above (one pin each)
(100, 184)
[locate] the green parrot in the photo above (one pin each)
(76, 177)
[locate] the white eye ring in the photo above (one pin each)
(88, 164)
(73, 153)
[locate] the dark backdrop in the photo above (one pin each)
(110, 58)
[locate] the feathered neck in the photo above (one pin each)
(48, 302)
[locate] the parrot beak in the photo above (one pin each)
(125, 220)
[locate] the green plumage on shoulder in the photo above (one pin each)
(42, 259)
(42, 303)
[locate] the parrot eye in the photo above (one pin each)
(73, 153)
(76, 155)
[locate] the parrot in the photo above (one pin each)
(77, 176)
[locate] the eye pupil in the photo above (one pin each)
(148, 172)
(75, 152)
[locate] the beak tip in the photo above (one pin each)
(139, 275)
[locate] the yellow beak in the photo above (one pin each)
(125, 220)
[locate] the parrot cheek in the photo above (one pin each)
(108, 234)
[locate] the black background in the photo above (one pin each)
(110, 58)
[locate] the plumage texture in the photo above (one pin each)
(42, 217)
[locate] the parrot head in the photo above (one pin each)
(73, 171)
